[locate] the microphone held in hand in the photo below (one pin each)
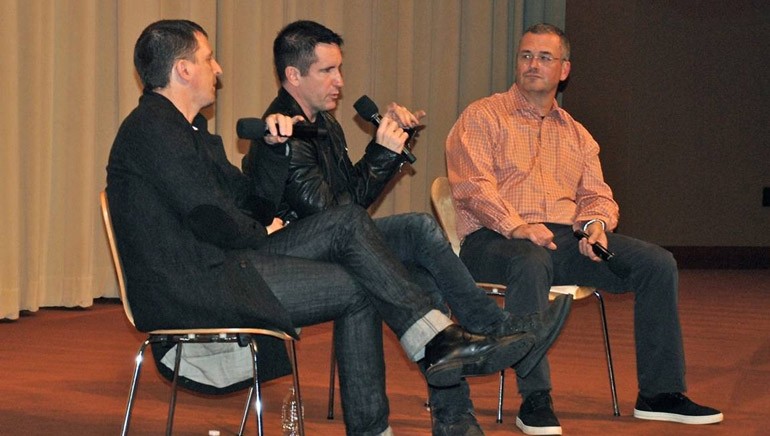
(255, 128)
(617, 265)
(368, 111)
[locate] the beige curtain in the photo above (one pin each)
(68, 80)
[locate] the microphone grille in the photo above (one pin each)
(250, 128)
(365, 107)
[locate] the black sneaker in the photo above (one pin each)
(536, 415)
(675, 407)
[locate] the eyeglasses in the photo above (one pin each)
(543, 59)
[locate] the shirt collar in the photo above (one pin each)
(521, 104)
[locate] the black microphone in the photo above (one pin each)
(617, 265)
(368, 111)
(255, 128)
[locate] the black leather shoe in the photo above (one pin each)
(463, 425)
(454, 353)
(546, 329)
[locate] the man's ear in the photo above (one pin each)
(181, 69)
(566, 66)
(292, 75)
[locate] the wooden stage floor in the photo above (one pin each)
(67, 372)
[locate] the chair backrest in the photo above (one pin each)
(441, 198)
(115, 256)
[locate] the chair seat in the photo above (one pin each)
(221, 332)
(577, 292)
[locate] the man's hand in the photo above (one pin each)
(390, 135)
(402, 115)
(537, 233)
(595, 234)
(276, 225)
(279, 127)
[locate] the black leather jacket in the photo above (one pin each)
(321, 174)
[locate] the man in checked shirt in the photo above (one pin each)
(525, 175)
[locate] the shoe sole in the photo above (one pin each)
(528, 363)
(540, 431)
(493, 360)
(682, 419)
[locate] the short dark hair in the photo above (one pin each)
(160, 45)
(543, 28)
(295, 46)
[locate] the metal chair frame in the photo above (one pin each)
(179, 337)
(578, 293)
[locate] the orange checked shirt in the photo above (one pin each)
(507, 166)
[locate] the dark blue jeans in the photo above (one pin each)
(335, 266)
(529, 271)
(419, 243)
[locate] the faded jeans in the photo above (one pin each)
(335, 266)
(420, 244)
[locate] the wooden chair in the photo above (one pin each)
(179, 337)
(443, 205)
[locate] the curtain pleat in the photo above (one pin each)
(68, 81)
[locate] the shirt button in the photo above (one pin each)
(243, 264)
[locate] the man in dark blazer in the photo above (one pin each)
(200, 246)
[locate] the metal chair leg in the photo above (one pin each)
(500, 393)
(608, 353)
(297, 393)
(256, 388)
(333, 366)
(132, 392)
(246, 411)
(174, 384)
(427, 406)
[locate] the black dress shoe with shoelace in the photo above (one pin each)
(455, 353)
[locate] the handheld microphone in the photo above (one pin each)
(255, 128)
(617, 265)
(368, 111)
(599, 249)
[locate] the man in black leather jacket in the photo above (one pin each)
(321, 176)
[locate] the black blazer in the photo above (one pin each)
(183, 218)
